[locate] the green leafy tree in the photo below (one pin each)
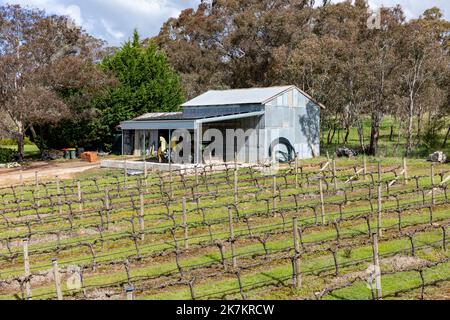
(147, 83)
(144, 83)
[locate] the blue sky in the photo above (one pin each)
(114, 20)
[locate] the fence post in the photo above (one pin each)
(26, 263)
(57, 279)
(185, 225)
(379, 225)
(322, 205)
(141, 215)
(233, 249)
(297, 279)
(376, 262)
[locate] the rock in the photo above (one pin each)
(346, 152)
(438, 156)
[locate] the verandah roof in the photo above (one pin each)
(181, 124)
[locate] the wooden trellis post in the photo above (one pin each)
(322, 205)
(145, 170)
(379, 225)
(130, 292)
(26, 262)
(376, 262)
(57, 278)
(36, 180)
(80, 199)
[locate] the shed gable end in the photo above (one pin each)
(293, 98)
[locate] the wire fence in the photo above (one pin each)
(192, 214)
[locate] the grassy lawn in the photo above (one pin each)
(31, 150)
(386, 146)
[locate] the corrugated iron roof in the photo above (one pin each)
(237, 96)
(160, 116)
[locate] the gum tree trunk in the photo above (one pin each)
(374, 133)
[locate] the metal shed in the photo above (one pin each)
(286, 120)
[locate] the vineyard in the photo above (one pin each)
(313, 230)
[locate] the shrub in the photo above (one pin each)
(431, 137)
(7, 155)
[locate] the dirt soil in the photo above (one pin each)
(46, 171)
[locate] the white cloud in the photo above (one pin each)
(116, 34)
(114, 20)
(150, 7)
(55, 7)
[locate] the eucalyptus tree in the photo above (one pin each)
(424, 64)
(47, 67)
